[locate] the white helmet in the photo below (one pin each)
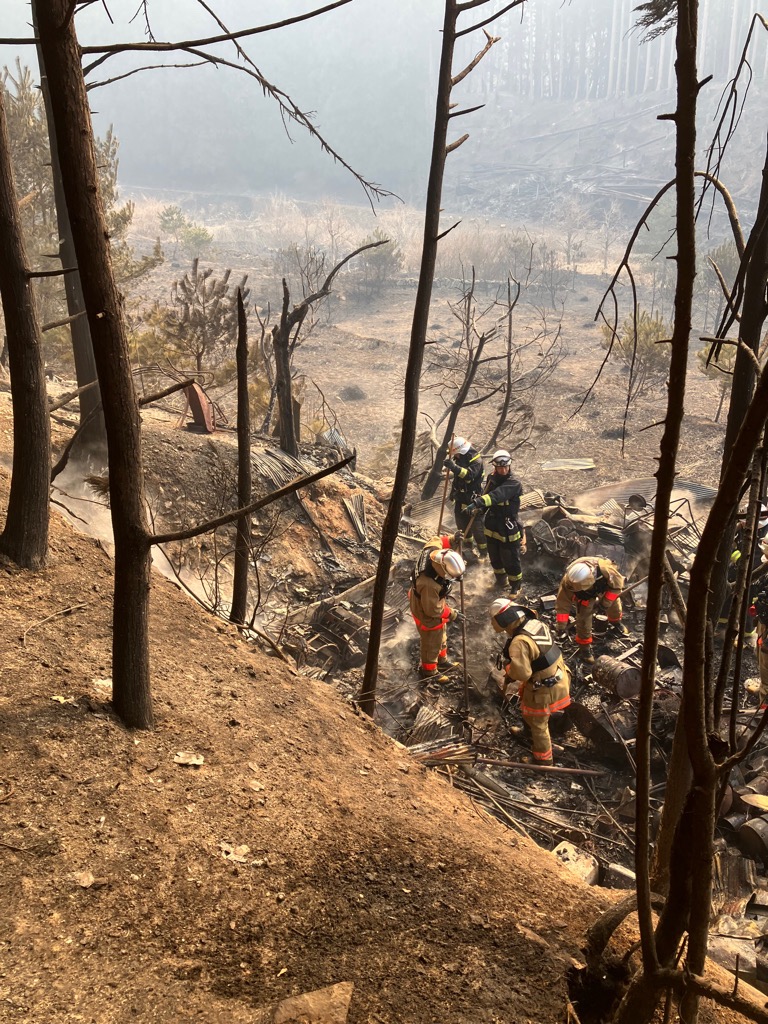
(502, 458)
(507, 616)
(449, 564)
(580, 575)
(459, 446)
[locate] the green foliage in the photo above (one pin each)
(31, 159)
(191, 237)
(657, 16)
(198, 328)
(373, 269)
(639, 347)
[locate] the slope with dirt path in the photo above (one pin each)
(306, 848)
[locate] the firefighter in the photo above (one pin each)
(434, 572)
(466, 465)
(503, 533)
(760, 611)
(587, 582)
(751, 628)
(534, 663)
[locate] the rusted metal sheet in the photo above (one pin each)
(203, 417)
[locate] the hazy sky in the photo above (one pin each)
(368, 70)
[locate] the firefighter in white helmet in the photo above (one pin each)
(503, 533)
(534, 663)
(434, 572)
(590, 582)
(466, 465)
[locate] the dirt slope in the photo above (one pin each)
(306, 850)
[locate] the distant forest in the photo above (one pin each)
(369, 73)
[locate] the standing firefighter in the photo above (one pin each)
(533, 662)
(503, 533)
(466, 465)
(586, 582)
(433, 574)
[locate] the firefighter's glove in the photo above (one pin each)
(474, 506)
(457, 616)
(450, 465)
(457, 538)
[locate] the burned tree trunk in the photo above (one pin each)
(25, 536)
(432, 236)
(243, 540)
(91, 413)
(74, 143)
(753, 316)
(281, 346)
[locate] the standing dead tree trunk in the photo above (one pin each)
(25, 536)
(284, 338)
(432, 235)
(74, 143)
(91, 413)
(243, 539)
(473, 345)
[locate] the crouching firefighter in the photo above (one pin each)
(588, 582)
(433, 575)
(534, 663)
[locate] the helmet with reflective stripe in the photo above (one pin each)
(506, 616)
(459, 446)
(449, 564)
(580, 575)
(502, 458)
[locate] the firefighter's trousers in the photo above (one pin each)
(505, 559)
(477, 533)
(537, 705)
(584, 611)
(433, 641)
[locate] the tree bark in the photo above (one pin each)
(744, 370)
(243, 539)
(25, 536)
(93, 433)
(74, 144)
(367, 695)
(281, 346)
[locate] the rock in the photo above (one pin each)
(582, 864)
(619, 877)
(323, 1006)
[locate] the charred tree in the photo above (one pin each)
(432, 235)
(93, 433)
(474, 350)
(25, 536)
(75, 149)
(284, 337)
(243, 539)
(754, 272)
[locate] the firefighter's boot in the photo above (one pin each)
(585, 654)
(618, 628)
(432, 675)
(444, 663)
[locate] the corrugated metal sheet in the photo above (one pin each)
(696, 493)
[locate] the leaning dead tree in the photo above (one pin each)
(472, 375)
(686, 909)
(284, 338)
(25, 536)
(441, 148)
